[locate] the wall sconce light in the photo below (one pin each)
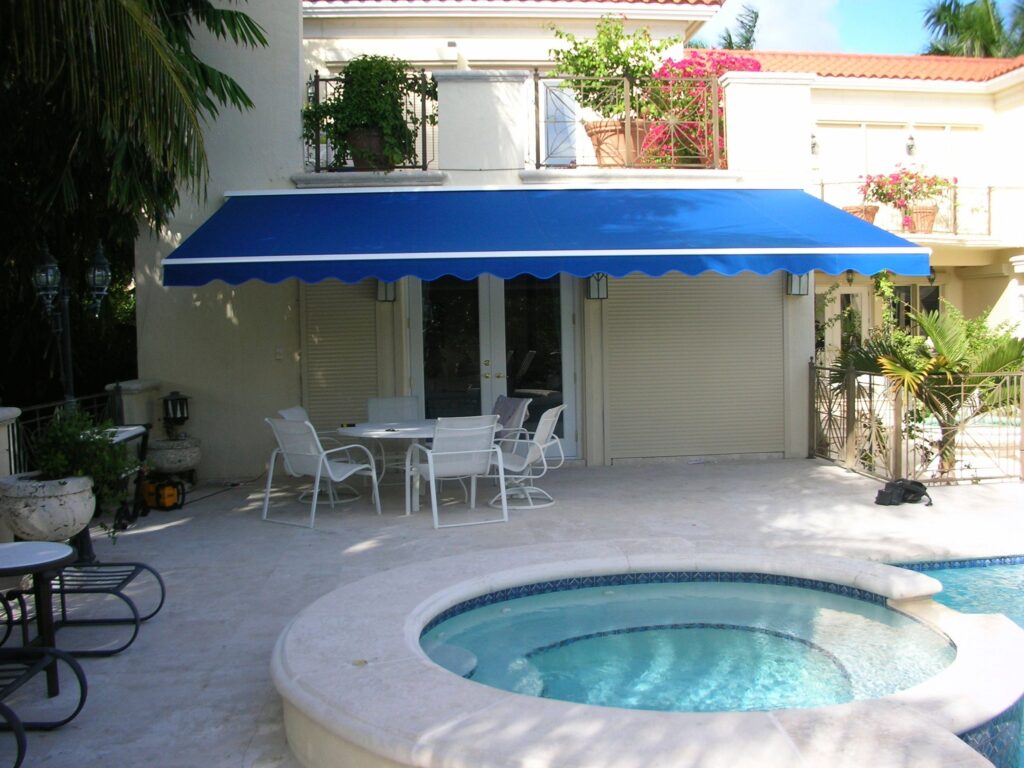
(175, 412)
(911, 145)
(597, 286)
(814, 144)
(797, 285)
(849, 276)
(385, 291)
(931, 276)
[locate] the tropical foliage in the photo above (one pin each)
(686, 108)
(975, 28)
(746, 31)
(110, 101)
(590, 64)
(949, 369)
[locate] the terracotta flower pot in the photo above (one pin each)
(866, 212)
(46, 510)
(609, 140)
(922, 218)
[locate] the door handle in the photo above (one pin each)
(487, 362)
(487, 375)
(499, 375)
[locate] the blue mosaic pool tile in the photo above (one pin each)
(999, 740)
(652, 577)
(978, 562)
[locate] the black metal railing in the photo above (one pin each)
(616, 122)
(22, 432)
(321, 155)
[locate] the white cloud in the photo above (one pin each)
(784, 25)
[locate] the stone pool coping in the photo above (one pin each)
(359, 691)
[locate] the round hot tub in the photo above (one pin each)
(687, 642)
(380, 672)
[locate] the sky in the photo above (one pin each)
(847, 26)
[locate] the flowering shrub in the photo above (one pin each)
(903, 188)
(681, 101)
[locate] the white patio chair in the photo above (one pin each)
(511, 413)
(463, 447)
(384, 410)
(524, 461)
(304, 456)
(330, 440)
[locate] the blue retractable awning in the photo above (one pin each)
(541, 231)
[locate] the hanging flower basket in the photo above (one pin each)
(905, 190)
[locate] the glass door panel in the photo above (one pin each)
(451, 348)
(533, 343)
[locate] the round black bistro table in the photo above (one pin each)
(42, 560)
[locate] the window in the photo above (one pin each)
(914, 298)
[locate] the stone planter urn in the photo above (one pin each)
(609, 140)
(174, 457)
(46, 510)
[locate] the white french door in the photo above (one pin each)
(472, 340)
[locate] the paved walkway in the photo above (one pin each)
(195, 688)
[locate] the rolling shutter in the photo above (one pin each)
(694, 366)
(339, 351)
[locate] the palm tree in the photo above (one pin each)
(952, 371)
(746, 31)
(975, 28)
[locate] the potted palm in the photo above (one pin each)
(373, 118)
(76, 462)
(909, 192)
(607, 74)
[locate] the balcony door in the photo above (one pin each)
(472, 340)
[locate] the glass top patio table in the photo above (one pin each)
(414, 429)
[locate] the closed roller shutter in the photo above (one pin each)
(339, 351)
(694, 366)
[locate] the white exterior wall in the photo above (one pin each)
(233, 349)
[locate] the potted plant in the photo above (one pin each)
(76, 463)
(372, 118)
(904, 189)
(604, 73)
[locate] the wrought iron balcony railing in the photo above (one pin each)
(654, 123)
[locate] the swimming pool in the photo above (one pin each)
(971, 586)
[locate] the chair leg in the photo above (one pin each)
(501, 488)
(316, 495)
(433, 499)
(270, 478)
(472, 492)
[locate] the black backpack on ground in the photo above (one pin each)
(903, 491)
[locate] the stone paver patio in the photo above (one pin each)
(195, 689)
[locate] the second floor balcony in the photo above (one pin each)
(963, 211)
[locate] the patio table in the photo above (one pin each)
(41, 559)
(413, 430)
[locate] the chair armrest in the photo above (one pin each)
(353, 447)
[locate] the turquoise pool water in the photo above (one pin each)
(695, 646)
(986, 589)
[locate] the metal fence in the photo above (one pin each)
(962, 210)
(320, 153)
(22, 432)
(969, 430)
(654, 123)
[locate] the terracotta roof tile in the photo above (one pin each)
(956, 68)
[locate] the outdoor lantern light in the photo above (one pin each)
(797, 285)
(814, 144)
(597, 286)
(97, 277)
(849, 276)
(931, 275)
(46, 279)
(911, 145)
(385, 291)
(176, 408)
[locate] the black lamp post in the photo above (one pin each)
(50, 287)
